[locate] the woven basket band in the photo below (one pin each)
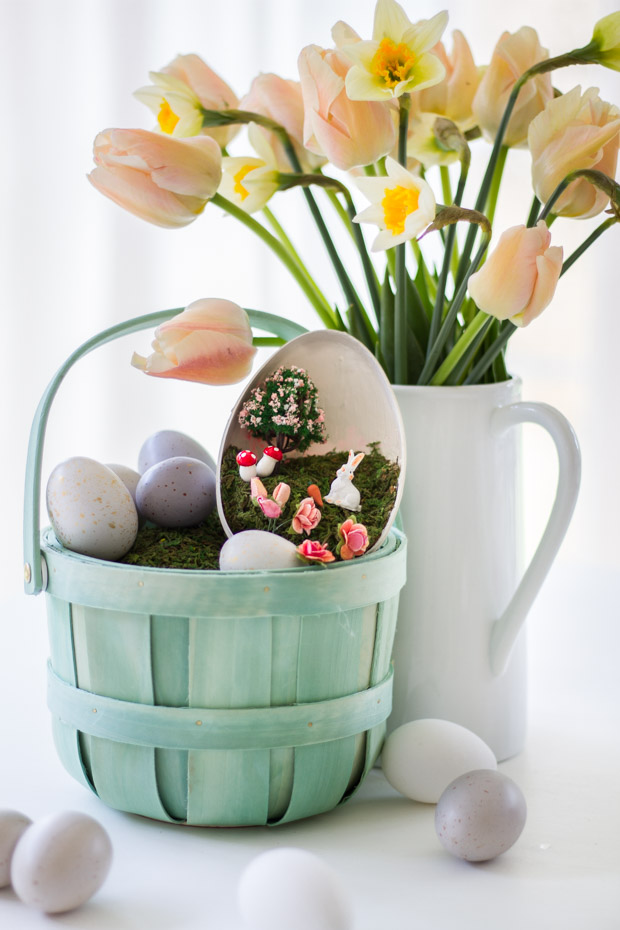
(188, 728)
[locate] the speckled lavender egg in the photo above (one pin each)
(128, 476)
(12, 825)
(177, 492)
(168, 444)
(480, 815)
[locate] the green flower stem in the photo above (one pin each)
(450, 319)
(390, 258)
(345, 282)
(506, 330)
(446, 187)
(327, 316)
(259, 341)
(400, 305)
(341, 211)
(458, 372)
(476, 328)
(607, 224)
(533, 217)
(495, 183)
(286, 242)
(369, 268)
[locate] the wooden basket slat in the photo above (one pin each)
(124, 777)
(321, 776)
(228, 787)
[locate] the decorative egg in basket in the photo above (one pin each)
(359, 419)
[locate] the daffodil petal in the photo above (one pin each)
(391, 21)
(427, 33)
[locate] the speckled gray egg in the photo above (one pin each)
(60, 862)
(177, 492)
(480, 815)
(128, 476)
(90, 509)
(12, 825)
(168, 444)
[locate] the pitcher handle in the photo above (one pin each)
(506, 628)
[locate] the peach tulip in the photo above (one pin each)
(514, 54)
(520, 276)
(180, 92)
(209, 342)
(271, 509)
(281, 100)
(257, 488)
(573, 132)
(348, 132)
(164, 181)
(281, 493)
(453, 97)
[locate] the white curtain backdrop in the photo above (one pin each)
(73, 263)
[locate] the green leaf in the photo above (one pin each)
(422, 291)
(416, 315)
(386, 326)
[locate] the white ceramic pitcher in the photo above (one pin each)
(459, 652)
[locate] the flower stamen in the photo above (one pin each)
(393, 63)
(398, 203)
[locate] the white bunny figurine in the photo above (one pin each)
(343, 492)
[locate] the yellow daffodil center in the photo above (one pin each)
(166, 118)
(238, 178)
(397, 204)
(392, 63)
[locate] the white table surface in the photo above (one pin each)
(562, 874)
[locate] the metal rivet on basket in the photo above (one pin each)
(310, 724)
(266, 589)
(94, 710)
(140, 584)
(27, 573)
(199, 723)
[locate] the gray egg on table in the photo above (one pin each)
(480, 815)
(177, 492)
(168, 444)
(60, 862)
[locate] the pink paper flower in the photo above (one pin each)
(257, 488)
(281, 493)
(310, 550)
(308, 516)
(269, 507)
(354, 539)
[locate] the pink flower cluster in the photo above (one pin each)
(310, 550)
(307, 516)
(354, 539)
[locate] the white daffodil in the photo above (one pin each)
(250, 181)
(402, 205)
(177, 108)
(396, 60)
(422, 143)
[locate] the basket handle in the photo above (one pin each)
(33, 570)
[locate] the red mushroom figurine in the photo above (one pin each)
(246, 461)
(271, 456)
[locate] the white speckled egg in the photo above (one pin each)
(91, 510)
(168, 444)
(257, 549)
(480, 815)
(290, 888)
(60, 862)
(422, 757)
(12, 825)
(177, 492)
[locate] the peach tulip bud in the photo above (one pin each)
(519, 278)
(514, 54)
(257, 488)
(280, 100)
(453, 97)
(181, 91)
(348, 132)
(573, 132)
(270, 508)
(308, 516)
(209, 342)
(281, 493)
(164, 181)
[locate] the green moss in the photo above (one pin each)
(192, 547)
(376, 479)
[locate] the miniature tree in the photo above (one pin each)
(284, 411)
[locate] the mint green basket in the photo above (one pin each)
(213, 698)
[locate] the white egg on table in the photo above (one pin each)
(422, 757)
(480, 815)
(12, 825)
(90, 509)
(60, 862)
(168, 444)
(258, 549)
(177, 492)
(292, 889)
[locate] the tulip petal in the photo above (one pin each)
(549, 267)
(135, 192)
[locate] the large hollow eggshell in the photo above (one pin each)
(12, 825)
(90, 509)
(480, 815)
(168, 444)
(358, 401)
(292, 889)
(60, 862)
(422, 757)
(257, 549)
(177, 492)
